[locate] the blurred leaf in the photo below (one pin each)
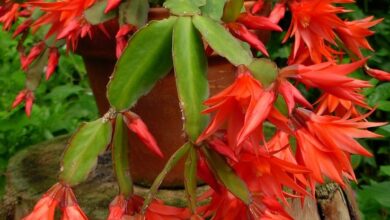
(384, 170)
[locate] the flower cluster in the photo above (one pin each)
(251, 172)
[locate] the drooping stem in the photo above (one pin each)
(173, 160)
(120, 151)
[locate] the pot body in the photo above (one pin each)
(159, 109)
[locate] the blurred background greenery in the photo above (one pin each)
(66, 100)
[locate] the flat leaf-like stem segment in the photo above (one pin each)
(95, 14)
(190, 171)
(190, 65)
(80, 158)
(134, 12)
(146, 59)
(222, 41)
(227, 176)
(120, 154)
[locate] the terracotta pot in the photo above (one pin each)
(159, 109)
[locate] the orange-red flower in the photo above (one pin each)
(312, 25)
(243, 106)
(59, 195)
(27, 96)
(136, 125)
(225, 206)
(354, 33)
(246, 22)
(269, 175)
(46, 206)
(331, 79)
(124, 209)
(52, 62)
(324, 143)
(328, 104)
(378, 74)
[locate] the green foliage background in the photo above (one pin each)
(61, 103)
(66, 100)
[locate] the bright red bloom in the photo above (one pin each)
(324, 143)
(58, 195)
(66, 19)
(45, 208)
(52, 63)
(111, 5)
(35, 51)
(240, 29)
(121, 38)
(277, 12)
(136, 125)
(27, 96)
(225, 206)
(312, 24)
(328, 104)
(22, 27)
(354, 34)
(378, 74)
(244, 106)
(9, 12)
(269, 175)
(70, 209)
(331, 79)
(122, 208)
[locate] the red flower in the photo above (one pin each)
(59, 194)
(246, 21)
(331, 78)
(27, 96)
(378, 74)
(225, 206)
(52, 63)
(66, 19)
(122, 208)
(269, 175)
(328, 104)
(45, 208)
(354, 34)
(35, 51)
(135, 124)
(312, 25)
(324, 143)
(244, 106)
(121, 38)
(112, 4)
(70, 209)
(9, 12)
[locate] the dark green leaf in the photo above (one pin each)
(222, 41)
(146, 59)
(82, 152)
(190, 65)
